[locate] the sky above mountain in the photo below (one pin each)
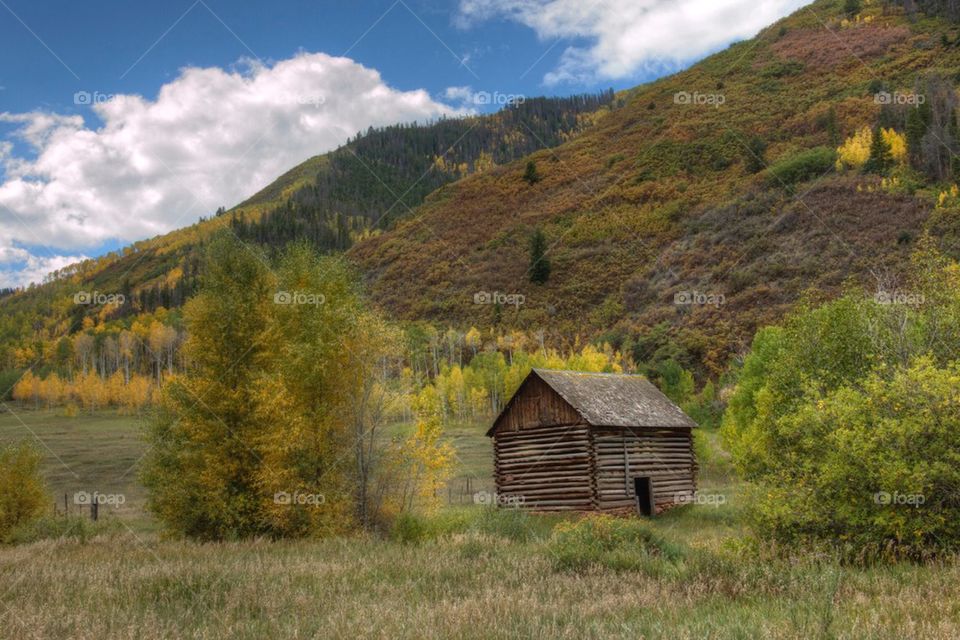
(120, 121)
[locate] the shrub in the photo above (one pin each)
(845, 421)
(620, 544)
(803, 166)
(884, 481)
(72, 527)
(23, 496)
(512, 524)
(782, 69)
(410, 529)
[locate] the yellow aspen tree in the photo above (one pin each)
(897, 143)
(855, 151)
(23, 390)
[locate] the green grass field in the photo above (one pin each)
(86, 453)
(474, 573)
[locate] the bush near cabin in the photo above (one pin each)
(846, 419)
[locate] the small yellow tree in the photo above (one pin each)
(23, 495)
(429, 460)
(27, 388)
(897, 143)
(855, 151)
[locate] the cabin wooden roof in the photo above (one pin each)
(610, 399)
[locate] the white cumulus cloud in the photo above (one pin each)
(617, 39)
(19, 267)
(211, 137)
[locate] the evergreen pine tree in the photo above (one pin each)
(916, 128)
(833, 131)
(531, 175)
(539, 263)
(953, 144)
(753, 155)
(881, 157)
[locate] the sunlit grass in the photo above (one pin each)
(465, 572)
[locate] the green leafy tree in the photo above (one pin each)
(201, 470)
(883, 482)
(539, 262)
(316, 382)
(852, 7)
(272, 430)
(675, 381)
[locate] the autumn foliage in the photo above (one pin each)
(264, 433)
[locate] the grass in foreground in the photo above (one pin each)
(468, 572)
(476, 579)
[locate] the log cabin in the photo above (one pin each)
(572, 441)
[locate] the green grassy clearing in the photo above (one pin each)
(88, 453)
(475, 573)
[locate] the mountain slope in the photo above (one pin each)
(331, 200)
(662, 201)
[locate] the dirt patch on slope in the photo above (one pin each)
(826, 48)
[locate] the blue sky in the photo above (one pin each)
(123, 120)
(414, 44)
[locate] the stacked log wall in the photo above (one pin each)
(545, 468)
(664, 455)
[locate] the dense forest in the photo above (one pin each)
(381, 175)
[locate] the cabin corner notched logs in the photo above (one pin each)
(589, 441)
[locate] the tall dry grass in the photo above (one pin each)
(469, 579)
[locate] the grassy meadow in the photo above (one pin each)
(466, 572)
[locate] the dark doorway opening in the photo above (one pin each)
(643, 489)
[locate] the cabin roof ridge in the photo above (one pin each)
(607, 399)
